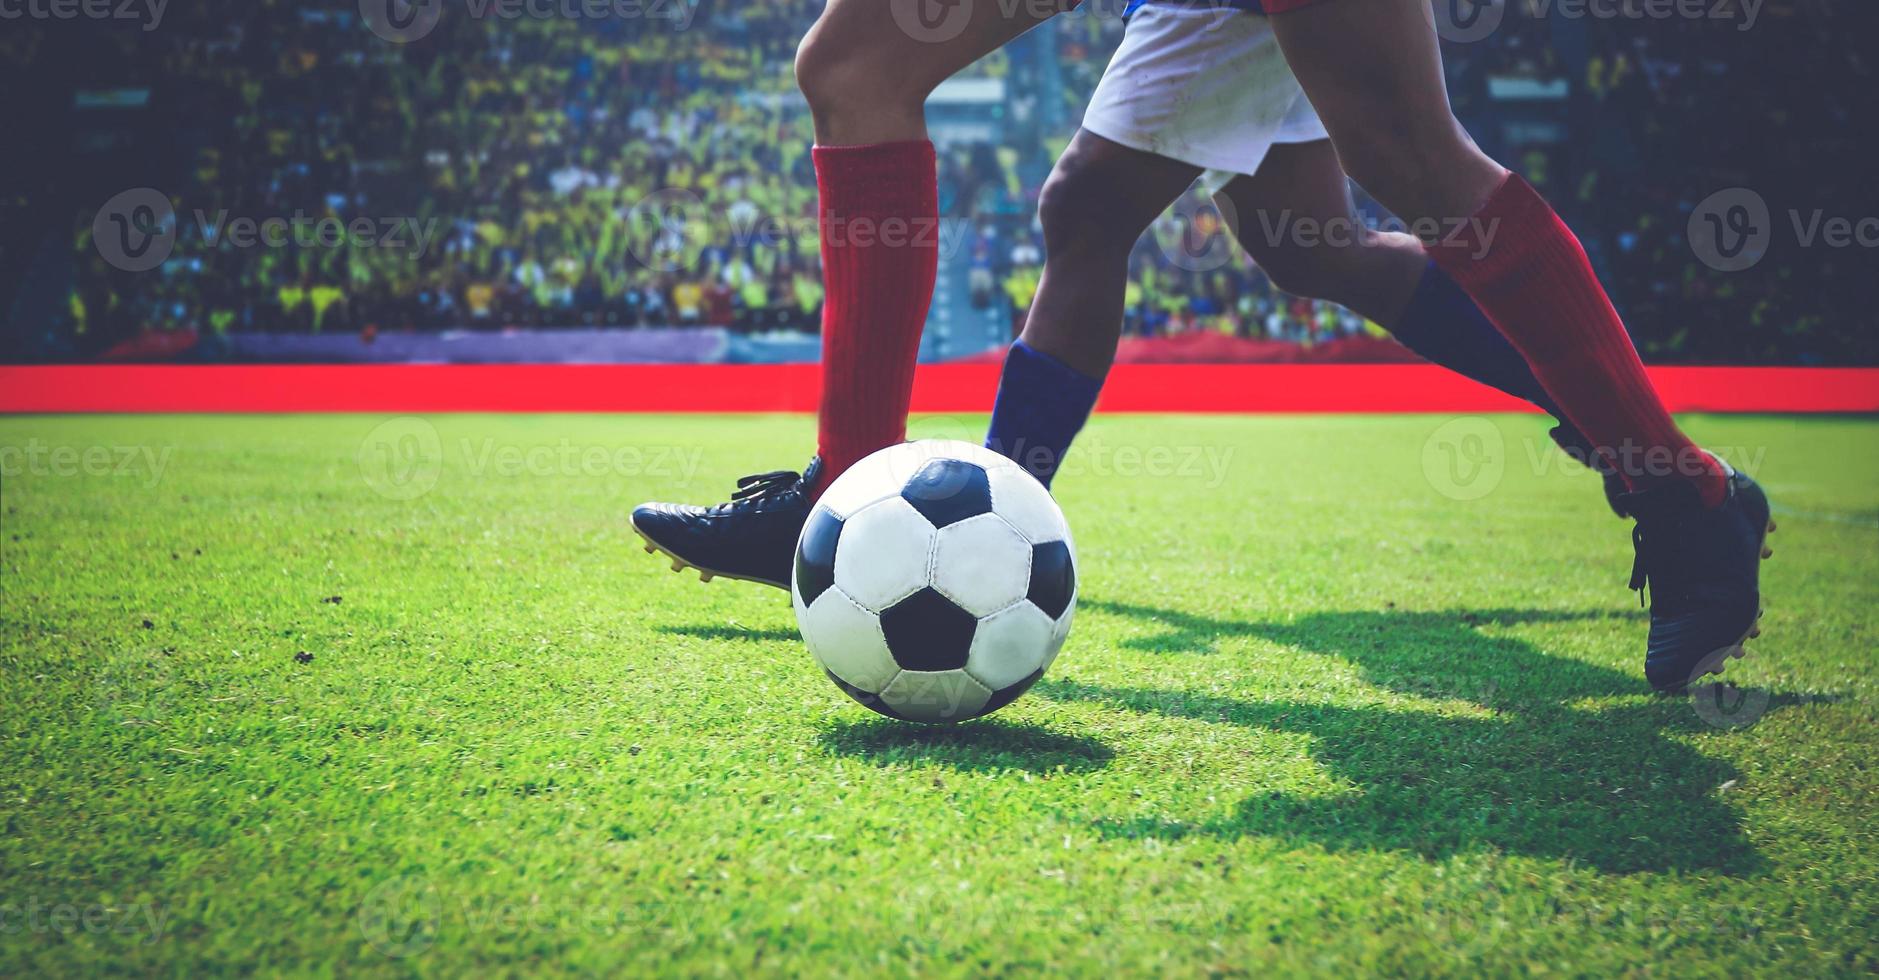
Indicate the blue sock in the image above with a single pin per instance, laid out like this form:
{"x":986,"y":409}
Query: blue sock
{"x":1042,"y":405}
{"x":1446,"y":327}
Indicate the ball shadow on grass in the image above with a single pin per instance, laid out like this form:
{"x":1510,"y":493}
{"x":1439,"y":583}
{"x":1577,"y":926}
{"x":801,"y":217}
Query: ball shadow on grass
{"x":985,"y":745}
{"x":745,"y":634}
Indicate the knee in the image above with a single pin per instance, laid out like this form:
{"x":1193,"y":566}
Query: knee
{"x":821,"y":71}
{"x":1415,"y":171}
{"x":1061,"y":208}
{"x":839,"y":81}
{"x":1076,"y":208}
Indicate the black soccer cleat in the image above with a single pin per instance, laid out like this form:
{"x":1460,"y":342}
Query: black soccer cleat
{"x":752,"y":537}
{"x":1702,"y":567}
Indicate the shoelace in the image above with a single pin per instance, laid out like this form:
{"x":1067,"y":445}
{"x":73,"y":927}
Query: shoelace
{"x":1640,"y":568}
{"x":1655,"y":567}
{"x":753,"y":490}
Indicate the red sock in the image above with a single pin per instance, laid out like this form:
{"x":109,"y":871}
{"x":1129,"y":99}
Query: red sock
{"x":1529,"y":274}
{"x":880,"y":254}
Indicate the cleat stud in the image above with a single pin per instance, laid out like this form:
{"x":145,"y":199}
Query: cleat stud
{"x":677,"y":565}
{"x":1756,"y":633}
{"x":705,"y":576}
{"x":650,"y":549}
{"x":1767,"y":553}
{"x":1771,"y":527}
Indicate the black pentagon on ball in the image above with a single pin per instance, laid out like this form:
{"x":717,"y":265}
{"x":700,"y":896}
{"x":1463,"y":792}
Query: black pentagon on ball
{"x":866,"y":700}
{"x":1053,"y":578}
{"x":815,"y":554}
{"x":947,"y":491}
{"x":925,"y":631}
{"x":1009,"y":693}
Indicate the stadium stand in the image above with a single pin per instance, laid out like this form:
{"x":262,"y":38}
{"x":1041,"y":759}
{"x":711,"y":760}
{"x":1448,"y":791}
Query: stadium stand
{"x":653,"y":171}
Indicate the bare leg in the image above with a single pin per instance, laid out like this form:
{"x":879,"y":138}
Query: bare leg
{"x":1295,"y":217}
{"x":1373,"y":70}
{"x":867,"y":66}
{"x":1099,"y":199}
{"x":1300,"y":195}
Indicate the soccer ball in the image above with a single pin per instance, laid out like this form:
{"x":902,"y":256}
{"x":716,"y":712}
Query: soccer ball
{"x":935,"y":581}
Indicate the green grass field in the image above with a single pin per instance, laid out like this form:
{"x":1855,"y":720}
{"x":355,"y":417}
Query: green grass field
{"x":356,"y":695}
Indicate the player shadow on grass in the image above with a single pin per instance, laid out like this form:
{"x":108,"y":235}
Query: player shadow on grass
{"x":719,"y":632}
{"x":1541,"y":775}
{"x":986,"y":745}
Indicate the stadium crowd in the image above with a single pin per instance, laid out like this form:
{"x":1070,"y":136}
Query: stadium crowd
{"x":655,"y":171}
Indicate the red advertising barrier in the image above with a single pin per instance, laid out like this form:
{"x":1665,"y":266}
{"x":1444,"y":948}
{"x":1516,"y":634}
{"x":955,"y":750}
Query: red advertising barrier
{"x":793,"y":388}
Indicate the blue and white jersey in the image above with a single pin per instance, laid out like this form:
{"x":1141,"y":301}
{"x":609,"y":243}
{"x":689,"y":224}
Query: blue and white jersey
{"x":1250,"y":6}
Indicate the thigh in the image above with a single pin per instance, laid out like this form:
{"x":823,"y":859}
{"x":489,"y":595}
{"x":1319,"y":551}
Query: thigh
{"x":1373,"y":71}
{"x":1098,"y":181}
{"x":1296,"y":218}
{"x":921,"y":43}
{"x":1298,"y":184}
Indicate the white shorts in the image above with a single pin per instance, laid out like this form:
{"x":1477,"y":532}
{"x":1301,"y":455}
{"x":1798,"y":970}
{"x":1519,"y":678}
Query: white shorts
{"x":1207,"y":87}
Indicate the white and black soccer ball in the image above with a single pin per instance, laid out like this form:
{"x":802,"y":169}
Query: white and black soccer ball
{"x":935,"y":581}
